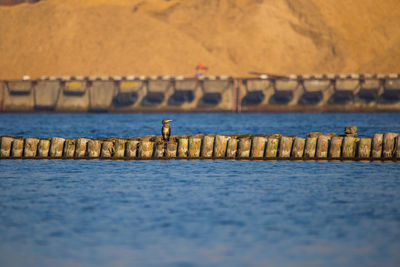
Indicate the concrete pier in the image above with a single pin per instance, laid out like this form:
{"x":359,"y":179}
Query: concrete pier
{"x":265,"y":93}
{"x":316,"y":146}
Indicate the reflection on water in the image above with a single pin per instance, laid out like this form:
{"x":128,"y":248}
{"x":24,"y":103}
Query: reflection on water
{"x":197,"y":213}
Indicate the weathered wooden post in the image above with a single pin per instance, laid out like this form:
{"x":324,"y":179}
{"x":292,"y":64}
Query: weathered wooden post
{"x":258,"y":146}
{"x":298,"y":147}
{"x":285,"y":147}
{"x":377,"y":145}
{"x":272,"y":146}
{"x":56,"y":147}
{"x":44,"y":148}
{"x":232,"y":148}
{"x":31,"y":147}
{"x":364,"y":148}
{"x":311,"y":145}
{"x":17,"y":147}
{"x":195,"y":146}
{"x":220,"y":147}
{"x":389,"y":145}
{"x":93,"y":148}
{"x":397,"y":147}
{"x":314,"y":134}
{"x":81,"y":148}
{"x":336,"y":147}
{"x":146,"y":148}
{"x":119,"y":148}
{"x":207,"y":148}
{"x":322,"y":146}
{"x":349,"y":147}
{"x":172,"y":147}
{"x":183,"y":146}
{"x":132,"y":148}
{"x":6,"y":143}
{"x":244,"y":147}
{"x":69,"y":148}
{"x":159,"y":150}
{"x":107,"y":149}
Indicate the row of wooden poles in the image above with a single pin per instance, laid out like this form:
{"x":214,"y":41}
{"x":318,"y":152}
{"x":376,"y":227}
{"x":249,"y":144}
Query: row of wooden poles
{"x":314,"y":146}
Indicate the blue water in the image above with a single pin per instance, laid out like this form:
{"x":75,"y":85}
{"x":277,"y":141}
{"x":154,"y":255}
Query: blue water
{"x":198,"y":213}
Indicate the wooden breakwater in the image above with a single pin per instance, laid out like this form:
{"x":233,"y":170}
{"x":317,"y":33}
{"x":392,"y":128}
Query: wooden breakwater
{"x":315,"y":146}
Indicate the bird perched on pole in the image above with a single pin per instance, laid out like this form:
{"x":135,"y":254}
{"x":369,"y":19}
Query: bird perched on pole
{"x":166,"y":130}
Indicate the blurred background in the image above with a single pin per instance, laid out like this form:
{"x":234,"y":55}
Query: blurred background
{"x":270,"y":60}
{"x":199,"y":55}
{"x":170,"y":37}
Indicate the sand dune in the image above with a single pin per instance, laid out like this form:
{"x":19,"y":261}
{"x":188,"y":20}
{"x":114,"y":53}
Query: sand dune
{"x":232,"y":37}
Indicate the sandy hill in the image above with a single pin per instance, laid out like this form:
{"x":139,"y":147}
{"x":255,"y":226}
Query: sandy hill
{"x":235,"y":37}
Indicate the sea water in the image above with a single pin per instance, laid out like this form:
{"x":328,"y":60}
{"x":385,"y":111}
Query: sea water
{"x":198,"y":213}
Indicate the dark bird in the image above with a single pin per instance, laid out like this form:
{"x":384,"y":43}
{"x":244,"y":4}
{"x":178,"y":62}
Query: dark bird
{"x":166,"y":130}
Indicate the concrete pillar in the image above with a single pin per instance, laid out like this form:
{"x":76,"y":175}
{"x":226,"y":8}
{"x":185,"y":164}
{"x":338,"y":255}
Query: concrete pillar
{"x":6,"y":143}
{"x":244,"y":147}
{"x":69,"y":148}
{"x":231,"y":150}
{"x":388,"y":145}
{"x":132,"y":148}
{"x":322,"y":146}
{"x":107,"y":149}
{"x":336,"y":147}
{"x":31,"y":147}
{"x":220,"y":147}
{"x":146,"y":148}
{"x":207,"y":148}
{"x":183,"y":146}
{"x":364,"y":148}
{"x":43,"y":148}
{"x":172,"y":147}
{"x":285,"y":147}
{"x":349,"y":147}
{"x":272,"y":147}
{"x":377,"y":144}
{"x":195,"y":146}
{"x":311,"y":144}
{"x":119,"y":148}
{"x":93,"y":148}
{"x":81,"y":148}
{"x":57,"y":147}
{"x":298,"y":147}
{"x":258,"y":146}
{"x":17,"y":147}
